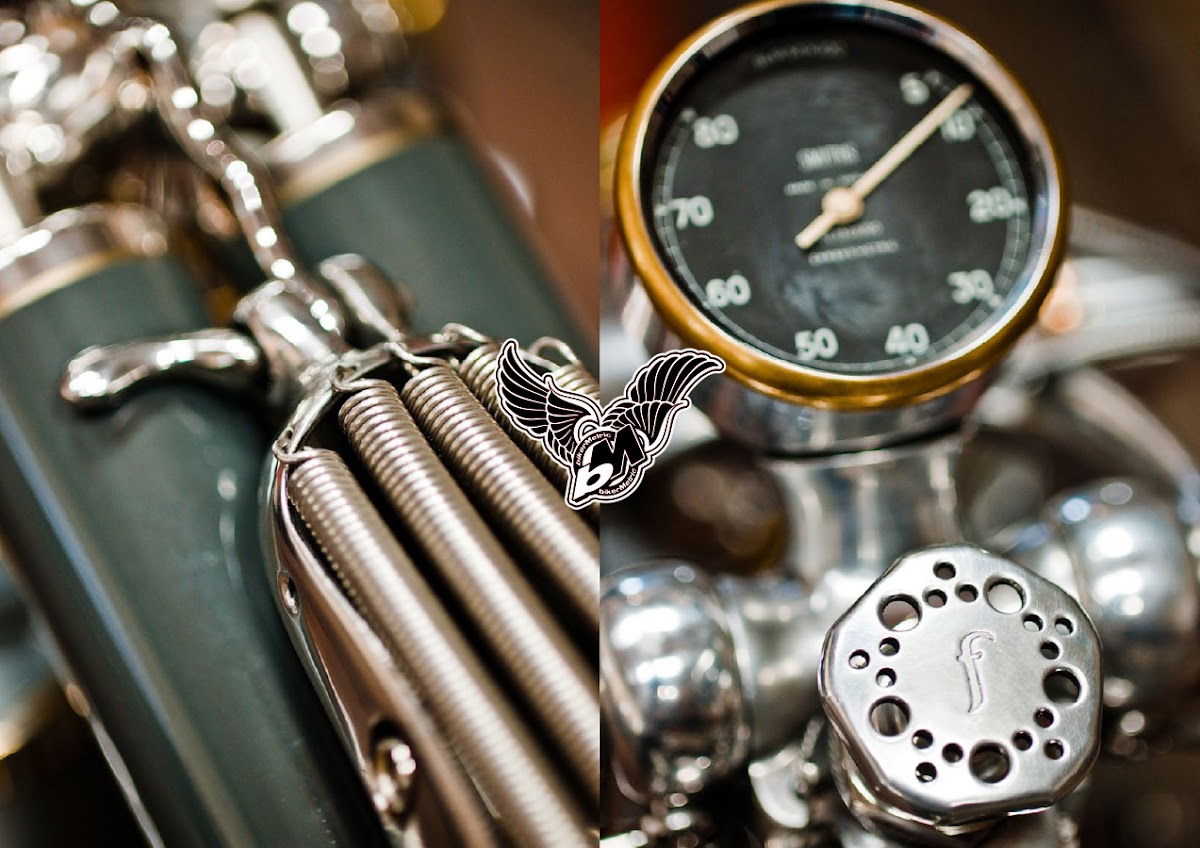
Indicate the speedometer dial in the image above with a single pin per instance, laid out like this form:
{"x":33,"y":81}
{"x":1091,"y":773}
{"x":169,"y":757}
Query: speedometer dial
{"x":853,"y":203}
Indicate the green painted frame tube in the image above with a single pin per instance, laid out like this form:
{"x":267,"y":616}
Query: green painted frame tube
{"x":138,"y":537}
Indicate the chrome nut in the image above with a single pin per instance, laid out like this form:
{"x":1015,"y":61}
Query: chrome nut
{"x":964,"y":687}
{"x":671,"y":693}
{"x":1121,"y":549}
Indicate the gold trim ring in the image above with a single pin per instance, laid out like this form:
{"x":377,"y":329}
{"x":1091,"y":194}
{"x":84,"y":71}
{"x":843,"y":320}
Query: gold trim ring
{"x":797,"y":383}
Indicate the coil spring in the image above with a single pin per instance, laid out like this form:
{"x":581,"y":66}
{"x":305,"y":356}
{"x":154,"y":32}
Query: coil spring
{"x":495,"y":595}
{"x":478,"y":371}
{"x":505,"y":484}
{"x":382,"y":582}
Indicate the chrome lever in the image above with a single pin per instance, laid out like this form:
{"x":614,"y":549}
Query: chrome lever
{"x":101,"y":377}
{"x":374,"y":306}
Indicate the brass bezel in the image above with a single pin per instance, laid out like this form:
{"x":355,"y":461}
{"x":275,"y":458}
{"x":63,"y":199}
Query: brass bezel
{"x":796,"y":383}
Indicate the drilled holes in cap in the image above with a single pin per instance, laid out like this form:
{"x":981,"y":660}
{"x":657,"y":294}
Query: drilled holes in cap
{"x":889,"y":716}
{"x":900,"y":613}
{"x":1004,"y":596}
{"x":989,"y":762}
{"x":935,"y":598}
{"x":944,"y":571}
{"x":922,"y":739}
{"x":1049,"y":650}
{"x":1022,"y":740}
{"x":966,"y":592}
{"x":1064,"y":626}
{"x":952,"y":753}
{"x":859,"y":659}
{"x":1043,"y":717}
{"x":1032,"y":623}
{"x":886,"y":678}
{"x":1054,"y":749}
{"x":889,"y":647}
{"x":926,"y":772}
{"x":1062,"y":687}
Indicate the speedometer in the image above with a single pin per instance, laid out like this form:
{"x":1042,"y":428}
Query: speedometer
{"x":853,"y":203}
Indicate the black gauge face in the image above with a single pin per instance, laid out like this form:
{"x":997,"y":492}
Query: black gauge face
{"x":929,"y":195}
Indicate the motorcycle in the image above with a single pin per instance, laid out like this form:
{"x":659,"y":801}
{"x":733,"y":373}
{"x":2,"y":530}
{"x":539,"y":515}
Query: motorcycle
{"x":315,"y":664}
{"x":923,"y":571}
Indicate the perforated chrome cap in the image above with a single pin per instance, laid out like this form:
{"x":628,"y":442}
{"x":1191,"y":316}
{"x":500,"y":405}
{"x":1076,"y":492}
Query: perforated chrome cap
{"x":964,"y":687}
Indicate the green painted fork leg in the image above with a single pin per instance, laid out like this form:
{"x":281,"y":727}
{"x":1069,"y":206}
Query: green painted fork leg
{"x":137,"y":533}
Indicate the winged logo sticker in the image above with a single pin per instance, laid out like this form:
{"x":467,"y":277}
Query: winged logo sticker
{"x":607,"y":451}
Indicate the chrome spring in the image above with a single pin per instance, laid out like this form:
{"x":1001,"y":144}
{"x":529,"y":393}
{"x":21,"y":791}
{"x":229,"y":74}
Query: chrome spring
{"x":507,"y":487}
{"x":557,"y":685}
{"x":478,"y":371}
{"x":495,"y":748}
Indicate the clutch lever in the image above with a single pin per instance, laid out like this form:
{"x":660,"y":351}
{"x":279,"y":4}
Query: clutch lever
{"x":101,"y":377}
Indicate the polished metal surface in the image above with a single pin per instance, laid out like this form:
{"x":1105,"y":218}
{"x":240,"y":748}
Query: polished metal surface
{"x":292,"y":339}
{"x":348,"y":138}
{"x":499,"y":753}
{"x":508,"y":488}
{"x":396,"y":776}
{"x":281,"y":89}
{"x":1120,"y":548}
{"x":538,"y":657}
{"x":1125,"y":294}
{"x":56,"y":251}
{"x":1085,"y":406}
{"x":98,"y":378}
{"x":1139,"y":532}
{"x":853,"y":514}
{"x":965,"y":688}
{"x":362,"y":685}
{"x":280,"y":55}
{"x":671,"y":691}
{"x":788,"y":784}
{"x":478,"y":371}
{"x":300,"y":333}
{"x":375,"y":307}
{"x":1049,"y":829}
{"x":211,"y":146}
{"x":19,"y":207}
{"x":61,"y":88}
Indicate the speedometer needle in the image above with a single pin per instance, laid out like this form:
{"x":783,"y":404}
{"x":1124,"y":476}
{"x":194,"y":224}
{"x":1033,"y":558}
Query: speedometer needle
{"x":842,"y":205}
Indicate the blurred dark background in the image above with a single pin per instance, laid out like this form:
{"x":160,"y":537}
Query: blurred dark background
{"x":527,"y":72}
